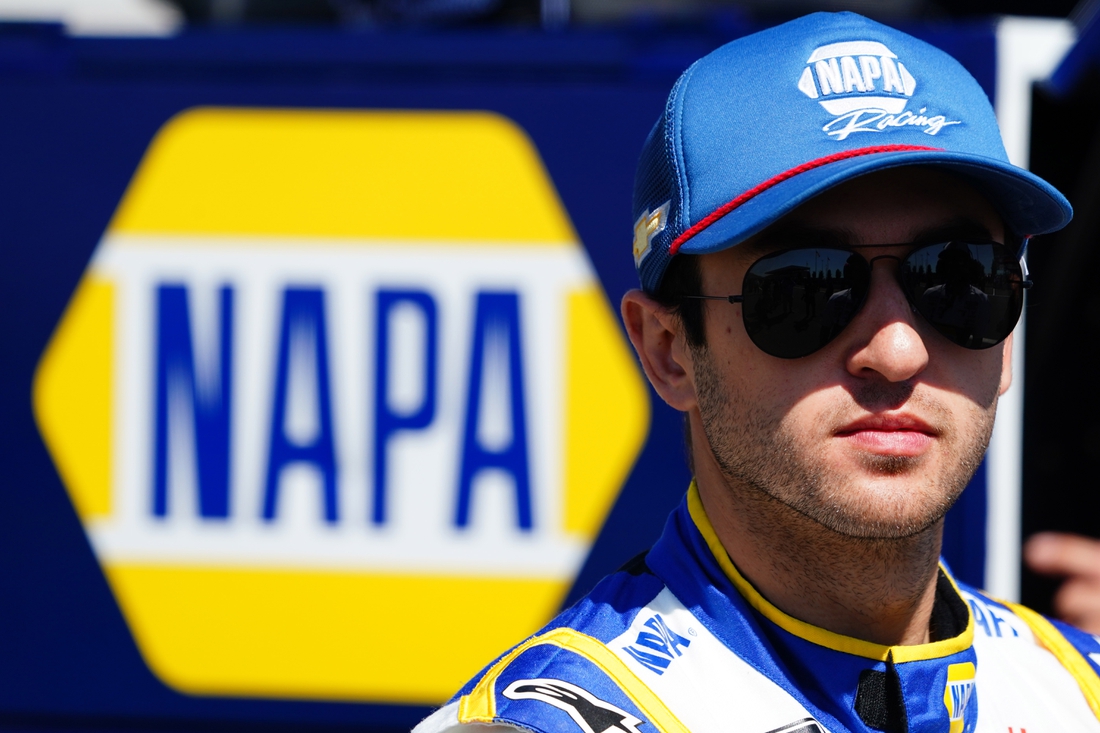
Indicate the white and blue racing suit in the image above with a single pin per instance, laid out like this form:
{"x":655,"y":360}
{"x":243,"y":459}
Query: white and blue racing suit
{"x":679,"y":641}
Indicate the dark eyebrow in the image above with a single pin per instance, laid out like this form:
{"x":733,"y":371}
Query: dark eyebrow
{"x":794,"y":235}
{"x":960,"y":229}
{"x":797,"y":234}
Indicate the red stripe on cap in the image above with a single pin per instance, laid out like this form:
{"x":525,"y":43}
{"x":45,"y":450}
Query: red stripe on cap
{"x":775,"y":180}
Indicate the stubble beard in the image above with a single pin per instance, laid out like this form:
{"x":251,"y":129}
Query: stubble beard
{"x":761,"y":454}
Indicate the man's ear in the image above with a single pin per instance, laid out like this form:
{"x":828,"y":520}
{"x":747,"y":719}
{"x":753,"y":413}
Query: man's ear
{"x":1006,"y":365}
{"x":658,"y":338}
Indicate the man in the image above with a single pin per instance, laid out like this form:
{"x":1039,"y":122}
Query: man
{"x":829,"y":239}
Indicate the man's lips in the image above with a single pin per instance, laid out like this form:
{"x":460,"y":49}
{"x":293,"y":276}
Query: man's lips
{"x":889,"y":435}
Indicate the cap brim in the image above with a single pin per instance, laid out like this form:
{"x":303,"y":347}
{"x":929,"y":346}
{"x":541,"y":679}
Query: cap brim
{"x":1027,"y":204}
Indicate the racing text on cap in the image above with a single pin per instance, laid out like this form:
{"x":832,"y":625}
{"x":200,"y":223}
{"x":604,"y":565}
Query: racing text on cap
{"x":866,"y":87}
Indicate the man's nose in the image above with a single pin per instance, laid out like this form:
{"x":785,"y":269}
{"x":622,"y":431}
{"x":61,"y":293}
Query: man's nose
{"x":887,"y":338}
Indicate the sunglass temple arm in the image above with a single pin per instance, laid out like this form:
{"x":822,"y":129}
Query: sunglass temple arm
{"x":727,"y":298}
{"x":1027,"y":281}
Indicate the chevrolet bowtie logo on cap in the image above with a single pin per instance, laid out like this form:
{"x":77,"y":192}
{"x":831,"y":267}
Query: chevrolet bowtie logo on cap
{"x":769,"y":121}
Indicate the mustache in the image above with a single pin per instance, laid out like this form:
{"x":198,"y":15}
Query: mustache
{"x":877,"y":396}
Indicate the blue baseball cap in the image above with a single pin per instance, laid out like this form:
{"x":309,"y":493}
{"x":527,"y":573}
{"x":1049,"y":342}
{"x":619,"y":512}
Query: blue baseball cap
{"x":766,"y":122}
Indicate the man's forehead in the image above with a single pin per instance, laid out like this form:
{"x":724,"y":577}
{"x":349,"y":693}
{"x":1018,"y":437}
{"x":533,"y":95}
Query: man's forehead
{"x":806,"y":233}
{"x":898,"y":206}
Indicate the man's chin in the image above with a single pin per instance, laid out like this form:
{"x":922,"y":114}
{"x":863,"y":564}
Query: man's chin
{"x":883,"y":510}
{"x":877,"y":528}
{"x":890,"y":465}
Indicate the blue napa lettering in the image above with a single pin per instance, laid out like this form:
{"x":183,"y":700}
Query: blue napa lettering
{"x":979,"y":618}
{"x":301,"y":362}
{"x":655,"y":649}
{"x":387,"y":422}
{"x":989,"y":621}
{"x":303,"y":342}
{"x":208,"y":396}
{"x":496,"y":334}
{"x":960,"y":697}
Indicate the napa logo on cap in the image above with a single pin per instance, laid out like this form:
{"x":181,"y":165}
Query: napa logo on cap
{"x":866,"y":88}
{"x":958,"y":693}
{"x":339,"y":401}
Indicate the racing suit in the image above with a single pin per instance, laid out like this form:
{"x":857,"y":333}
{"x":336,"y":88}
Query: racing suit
{"x":679,"y":641}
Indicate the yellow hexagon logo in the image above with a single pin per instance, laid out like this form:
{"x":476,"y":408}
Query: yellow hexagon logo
{"x":339,"y":401}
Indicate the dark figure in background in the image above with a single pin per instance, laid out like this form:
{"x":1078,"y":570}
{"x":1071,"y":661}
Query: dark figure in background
{"x":957,"y":302}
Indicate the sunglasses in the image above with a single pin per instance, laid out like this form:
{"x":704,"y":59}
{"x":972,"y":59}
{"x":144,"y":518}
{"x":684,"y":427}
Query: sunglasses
{"x":796,"y":301}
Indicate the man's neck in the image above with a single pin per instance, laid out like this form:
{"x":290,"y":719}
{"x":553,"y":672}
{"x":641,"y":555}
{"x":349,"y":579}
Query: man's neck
{"x":881,"y":591}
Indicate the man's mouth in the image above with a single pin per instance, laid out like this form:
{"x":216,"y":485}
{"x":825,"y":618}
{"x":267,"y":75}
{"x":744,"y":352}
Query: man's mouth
{"x":899,"y":435}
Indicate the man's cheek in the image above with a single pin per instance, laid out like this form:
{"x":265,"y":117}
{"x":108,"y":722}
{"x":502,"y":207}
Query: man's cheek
{"x":972,"y":377}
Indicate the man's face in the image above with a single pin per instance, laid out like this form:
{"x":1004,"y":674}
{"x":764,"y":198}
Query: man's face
{"x":876,"y":434}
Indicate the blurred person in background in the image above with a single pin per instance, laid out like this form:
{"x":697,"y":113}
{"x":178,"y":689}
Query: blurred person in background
{"x":1077,"y":559}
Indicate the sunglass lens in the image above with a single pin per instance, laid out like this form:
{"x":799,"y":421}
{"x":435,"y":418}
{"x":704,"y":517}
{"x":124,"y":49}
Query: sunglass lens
{"x":797,"y":301}
{"x":970,"y":293}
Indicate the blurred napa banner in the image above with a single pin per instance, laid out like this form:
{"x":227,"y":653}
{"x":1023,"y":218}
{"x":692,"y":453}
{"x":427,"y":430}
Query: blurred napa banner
{"x":339,"y":386}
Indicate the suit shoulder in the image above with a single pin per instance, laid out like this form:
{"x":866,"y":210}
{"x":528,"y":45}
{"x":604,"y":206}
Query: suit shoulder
{"x":564,"y":677}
